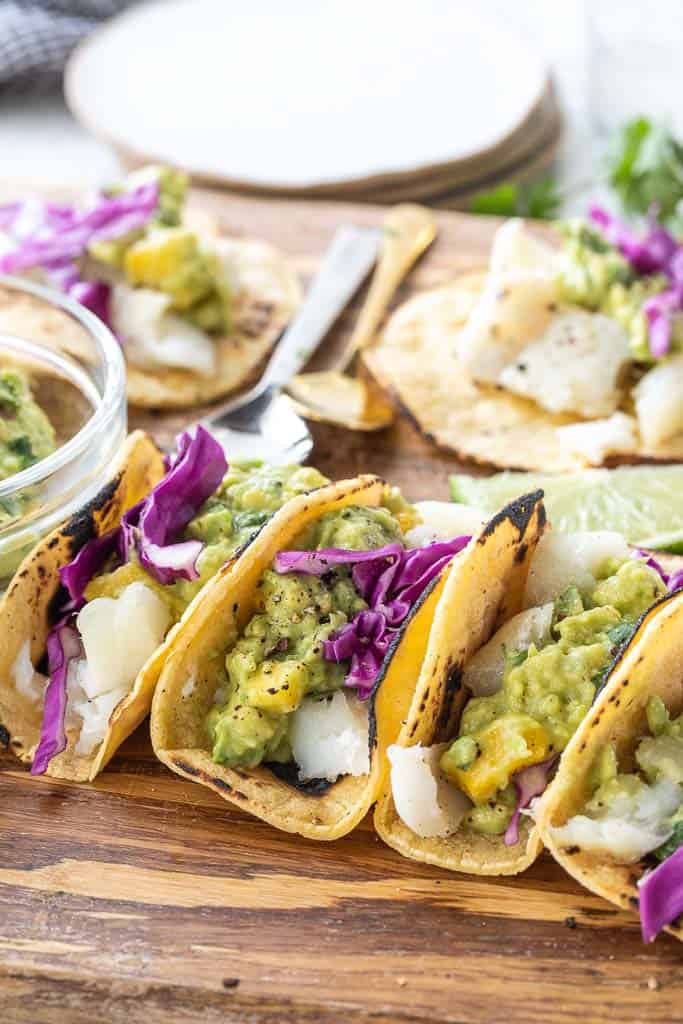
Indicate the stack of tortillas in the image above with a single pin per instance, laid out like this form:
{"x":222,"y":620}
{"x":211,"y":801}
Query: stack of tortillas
{"x":378,"y":101}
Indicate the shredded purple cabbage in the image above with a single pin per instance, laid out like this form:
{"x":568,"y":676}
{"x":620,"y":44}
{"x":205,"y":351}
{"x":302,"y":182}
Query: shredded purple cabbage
{"x":391,"y":579}
{"x":152,"y":526}
{"x":661,"y":895}
{"x":55,"y":238}
{"x":657,"y":252}
{"x":76,"y":575}
{"x":63,"y":645}
{"x":529,"y":783}
{"x":673,"y":580}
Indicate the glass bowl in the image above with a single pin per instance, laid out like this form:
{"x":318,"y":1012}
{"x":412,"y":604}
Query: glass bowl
{"x":77,"y":376}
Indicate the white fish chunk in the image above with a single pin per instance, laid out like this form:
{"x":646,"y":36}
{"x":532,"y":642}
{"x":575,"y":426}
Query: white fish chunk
{"x":29,"y":683}
{"x":156,"y":338}
{"x":565,"y":559}
{"x":513,"y":310}
{"x":516,"y":249}
{"x":119,"y":634}
{"x":594,"y":440}
{"x":659,"y":401}
{"x":483,"y":674}
{"x":425,"y":801}
{"x":329,"y":737}
{"x":633,"y":825}
{"x":575,"y":366}
{"x":443,"y":520}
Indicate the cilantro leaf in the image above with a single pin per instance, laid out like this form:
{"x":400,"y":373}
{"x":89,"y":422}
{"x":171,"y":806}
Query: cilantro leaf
{"x":22,"y":446}
{"x":645,"y":168}
{"x":499,"y":202}
{"x":672,"y":843}
{"x":621,"y":633}
{"x":539,"y":200}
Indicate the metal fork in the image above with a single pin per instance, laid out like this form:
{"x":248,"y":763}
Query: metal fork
{"x":262,"y":423}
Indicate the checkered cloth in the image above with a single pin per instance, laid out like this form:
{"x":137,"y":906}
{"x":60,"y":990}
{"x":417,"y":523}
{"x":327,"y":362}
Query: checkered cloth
{"x":37,"y":36}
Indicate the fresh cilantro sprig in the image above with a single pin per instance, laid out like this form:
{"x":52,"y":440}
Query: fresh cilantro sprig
{"x":539,"y":200}
{"x":645,"y":168}
{"x":671,"y":845}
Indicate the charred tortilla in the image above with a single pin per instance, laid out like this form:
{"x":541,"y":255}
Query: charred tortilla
{"x":317,"y":810}
{"x":415,"y":360}
{"x":26,"y":614}
{"x":266,"y":293}
{"x":652,"y":665}
{"x":485,"y":591}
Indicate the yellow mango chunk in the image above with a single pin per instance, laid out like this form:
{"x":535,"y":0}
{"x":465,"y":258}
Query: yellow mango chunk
{"x":278,"y":686}
{"x":170,"y":260}
{"x":112,"y":584}
{"x":510,"y":743}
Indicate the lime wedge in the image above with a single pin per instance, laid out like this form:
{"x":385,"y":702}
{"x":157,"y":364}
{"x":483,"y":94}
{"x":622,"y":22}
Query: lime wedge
{"x":644,"y":503}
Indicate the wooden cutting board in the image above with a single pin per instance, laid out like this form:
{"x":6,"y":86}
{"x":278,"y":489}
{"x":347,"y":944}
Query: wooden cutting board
{"x":144,"y":897}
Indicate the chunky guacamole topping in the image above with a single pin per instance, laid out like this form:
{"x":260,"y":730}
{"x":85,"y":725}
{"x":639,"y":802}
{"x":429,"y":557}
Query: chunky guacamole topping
{"x":26,"y":435}
{"x":278,"y":660}
{"x":170,"y":258}
{"x":658,"y":756}
{"x":596,"y":276}
{"x":250,"y":493}
{"x":547,"y":690}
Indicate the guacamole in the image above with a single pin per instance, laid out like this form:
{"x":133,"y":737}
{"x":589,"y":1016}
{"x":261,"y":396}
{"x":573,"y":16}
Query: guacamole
{"x":596,"y":276}
{"x":250,"y":493}
{"x":278,"y":660}
{"x":170,"y":258}
{"x":26,"y":435}
{"x":658,"y":756}
{"x":547,"y":690}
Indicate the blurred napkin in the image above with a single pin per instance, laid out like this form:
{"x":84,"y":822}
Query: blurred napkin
{"x":37,"y":36}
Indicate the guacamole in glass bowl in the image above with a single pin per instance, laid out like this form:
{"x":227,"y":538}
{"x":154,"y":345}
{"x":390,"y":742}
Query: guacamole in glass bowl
{"x":62,"y":413}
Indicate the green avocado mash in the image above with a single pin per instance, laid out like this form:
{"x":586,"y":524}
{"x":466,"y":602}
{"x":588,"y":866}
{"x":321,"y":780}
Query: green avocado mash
{"x":170,"y":258}
{"x":278,"y":660}
{"x":596,"y":276}
{"x":546,"y":690}
{"x":26,"y":434}
{"x":250,"y":493}
{"x":657,"y":756}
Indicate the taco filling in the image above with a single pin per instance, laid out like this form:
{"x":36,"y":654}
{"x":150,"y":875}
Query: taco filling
{"x":195,"y":312}
{"x":634,"y":813}
{"x":293,"y":688}
{"x":125,"y":589}
{"x":529,"y":687}
{"x":592,"y":329}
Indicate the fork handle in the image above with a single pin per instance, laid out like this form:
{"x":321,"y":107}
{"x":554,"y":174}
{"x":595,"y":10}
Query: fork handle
{"x":345,"y":265}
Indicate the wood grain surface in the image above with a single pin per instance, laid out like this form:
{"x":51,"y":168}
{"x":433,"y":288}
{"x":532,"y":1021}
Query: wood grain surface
{"x":143,"y":897}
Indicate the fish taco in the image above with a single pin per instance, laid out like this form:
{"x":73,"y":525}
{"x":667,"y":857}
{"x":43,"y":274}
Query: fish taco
{"x":458,"y":788}
{"x":559,"y":356}
{"x":613,"y":816}
{"x":86,"y":621}
{"x":196,"y":311}
{"x":290,"y":678}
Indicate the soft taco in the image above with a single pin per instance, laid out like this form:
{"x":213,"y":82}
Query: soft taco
{"x":613,"y":816}
{"x":561,"y":355}
{"x":85,"y":623}
{"x":458,"y":785}
{"x":290,"y":678}
{"x":196,"y":312}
